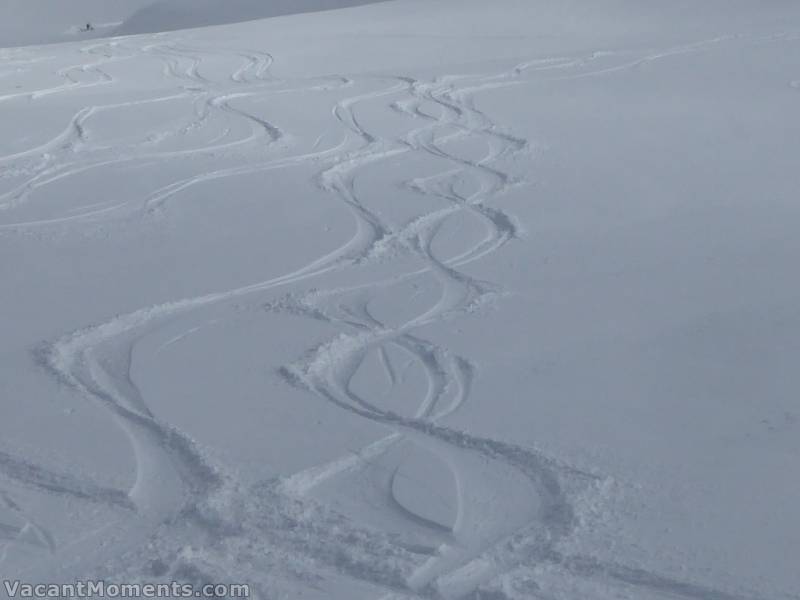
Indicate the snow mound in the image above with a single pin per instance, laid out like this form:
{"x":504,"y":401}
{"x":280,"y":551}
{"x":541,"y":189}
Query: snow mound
{"x":168,"y":15}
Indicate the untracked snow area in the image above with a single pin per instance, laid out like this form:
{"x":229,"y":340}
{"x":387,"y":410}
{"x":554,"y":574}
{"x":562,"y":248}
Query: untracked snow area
{"x":165,"y":15}
{"x":25,"y":22}
{"x":423,"y":299}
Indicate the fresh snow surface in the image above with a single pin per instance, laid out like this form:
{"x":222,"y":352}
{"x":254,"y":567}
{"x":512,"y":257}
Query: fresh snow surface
{"x":25,"y":22}
{"x":446,"y":299}
{"x":166,"y":15}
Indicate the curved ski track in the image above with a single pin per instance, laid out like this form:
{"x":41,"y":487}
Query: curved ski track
{"x":179,"y":492}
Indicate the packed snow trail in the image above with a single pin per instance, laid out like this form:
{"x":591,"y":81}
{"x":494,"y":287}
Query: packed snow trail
{"x":512,"y":506}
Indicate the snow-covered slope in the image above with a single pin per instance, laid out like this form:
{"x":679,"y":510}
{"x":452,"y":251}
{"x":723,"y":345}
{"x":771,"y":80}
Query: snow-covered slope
{"x":444,"y":300}
{"x":25,"y":22}
{"x":166,"y":15}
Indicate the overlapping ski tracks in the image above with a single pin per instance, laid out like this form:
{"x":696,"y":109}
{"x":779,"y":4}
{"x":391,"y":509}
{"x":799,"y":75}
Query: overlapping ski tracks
{"x":201,"y":522}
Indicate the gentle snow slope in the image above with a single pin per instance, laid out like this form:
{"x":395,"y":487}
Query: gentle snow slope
{"x":443,"y":300}
{"x":42,"y":21}
{"x":165,"y":15}
{"x":25,"y":22}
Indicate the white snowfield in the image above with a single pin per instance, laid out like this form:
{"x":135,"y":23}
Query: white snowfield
{"x":445,"y":299}
{"x":24,"y":22}
{"x":166,"y":15}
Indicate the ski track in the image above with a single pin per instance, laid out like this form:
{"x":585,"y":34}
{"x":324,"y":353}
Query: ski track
{"x":179,"y":490}
{"x":25,"y":531}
